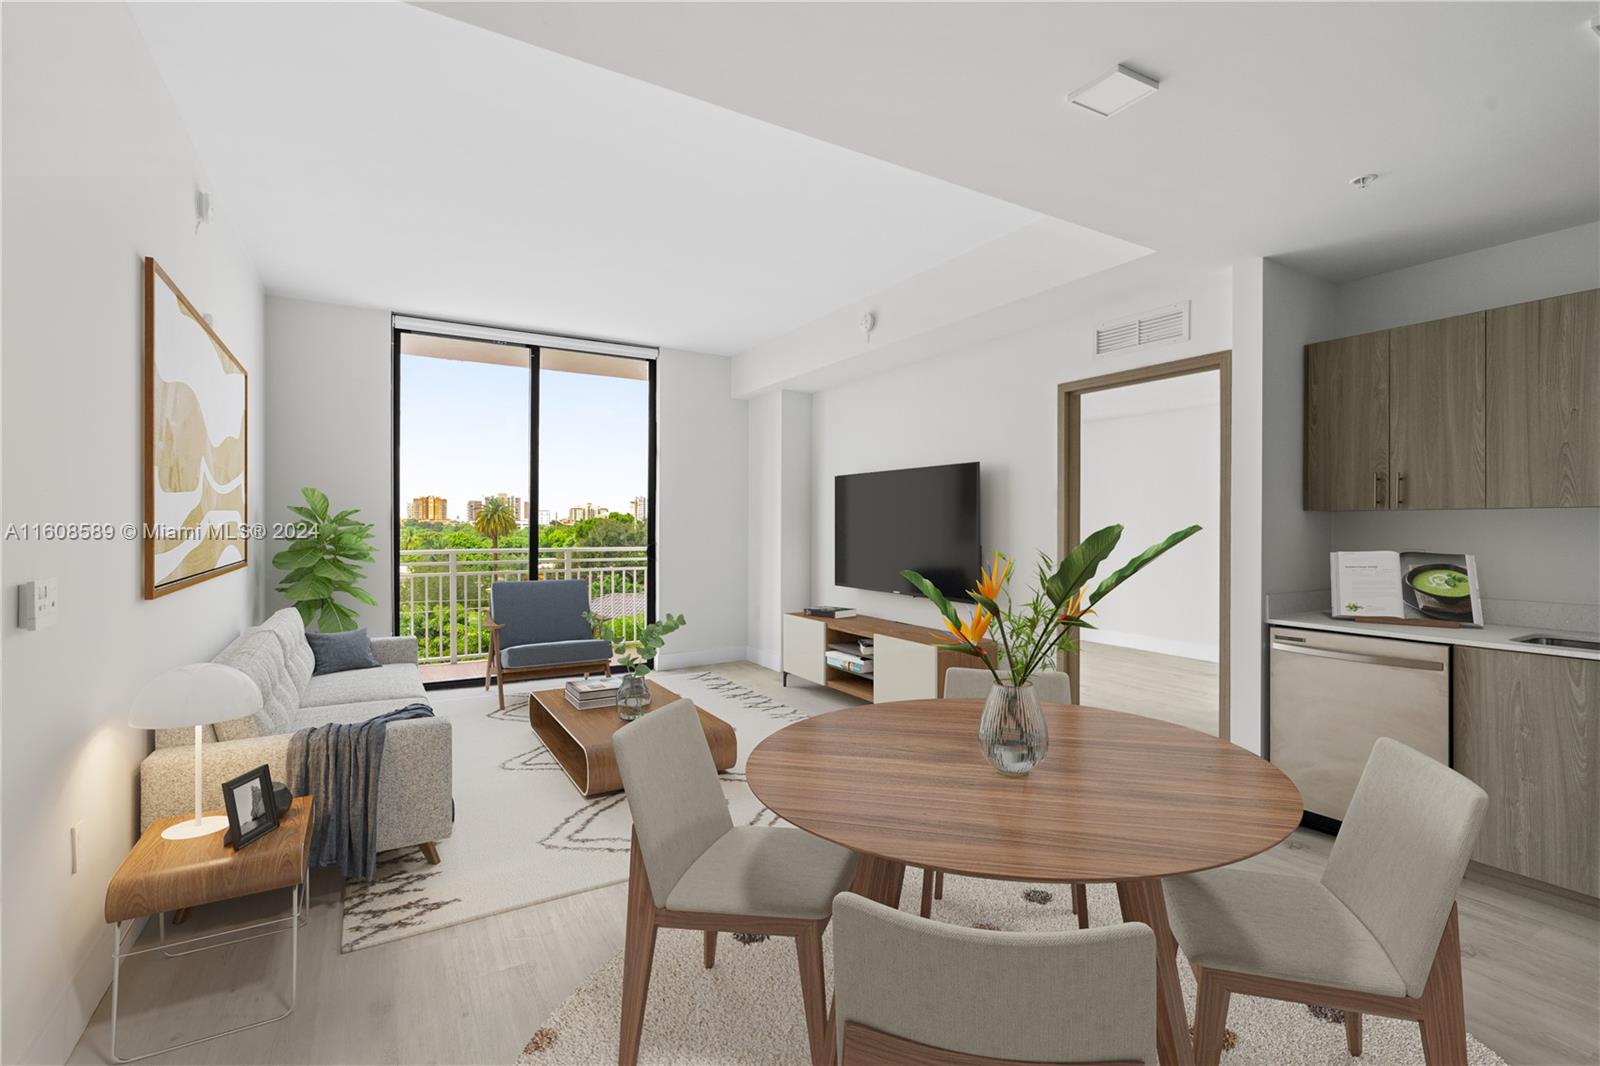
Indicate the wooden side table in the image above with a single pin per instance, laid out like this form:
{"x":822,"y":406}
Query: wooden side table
{"x":169,"y":875}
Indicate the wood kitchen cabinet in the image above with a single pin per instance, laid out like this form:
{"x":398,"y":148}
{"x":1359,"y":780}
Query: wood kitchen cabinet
{"x":1436,"y":414}
{"x":1347,"y":424}
{"x":1526,"y":728}
{"x":1544,"y":403}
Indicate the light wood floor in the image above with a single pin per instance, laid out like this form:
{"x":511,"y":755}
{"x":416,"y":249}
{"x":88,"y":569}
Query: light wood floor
{"x":1162,"y":686}
{"x":475,"y":993}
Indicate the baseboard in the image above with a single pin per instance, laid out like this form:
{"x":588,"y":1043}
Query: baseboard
{"x":682,"y":660}
{"x":1183,"y":649}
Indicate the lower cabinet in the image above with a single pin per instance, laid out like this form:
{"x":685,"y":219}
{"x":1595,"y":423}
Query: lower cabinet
{"x":1526,"y":727}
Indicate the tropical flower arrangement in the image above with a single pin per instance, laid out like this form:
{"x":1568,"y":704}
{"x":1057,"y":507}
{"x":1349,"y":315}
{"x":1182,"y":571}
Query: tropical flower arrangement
{"x":1029,"y":634}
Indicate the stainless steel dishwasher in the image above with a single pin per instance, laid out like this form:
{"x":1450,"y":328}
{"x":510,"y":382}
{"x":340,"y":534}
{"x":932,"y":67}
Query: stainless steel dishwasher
{"x":1333,"y":695}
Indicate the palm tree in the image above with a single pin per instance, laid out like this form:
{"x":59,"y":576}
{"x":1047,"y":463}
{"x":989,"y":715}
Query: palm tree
{"x":494,"y":520}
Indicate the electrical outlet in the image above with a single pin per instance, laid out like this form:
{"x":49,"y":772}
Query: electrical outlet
{"x":76,"y":835}
{"x":36,"y":604}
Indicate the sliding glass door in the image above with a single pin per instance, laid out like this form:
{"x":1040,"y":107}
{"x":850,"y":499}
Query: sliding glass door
{"x":516,"y":461}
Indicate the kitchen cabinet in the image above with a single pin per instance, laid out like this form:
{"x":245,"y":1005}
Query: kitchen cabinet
{"x":1526,"y":728}
{"x":1347,"y":424}
{"x":1543,"y":365}
{"x":1436,"y":414}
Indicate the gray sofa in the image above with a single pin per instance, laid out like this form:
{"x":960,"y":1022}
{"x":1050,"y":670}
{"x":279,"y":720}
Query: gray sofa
{"x":414,"y":797}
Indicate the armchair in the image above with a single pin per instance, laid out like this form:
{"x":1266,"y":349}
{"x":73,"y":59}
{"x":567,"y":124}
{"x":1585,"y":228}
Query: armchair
{"x":537,"y":629}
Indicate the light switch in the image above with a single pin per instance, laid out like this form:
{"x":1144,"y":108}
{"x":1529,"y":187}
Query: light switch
{"x":36,"y":603}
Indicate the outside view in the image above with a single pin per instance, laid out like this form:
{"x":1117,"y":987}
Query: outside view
{"x":465,"y":454}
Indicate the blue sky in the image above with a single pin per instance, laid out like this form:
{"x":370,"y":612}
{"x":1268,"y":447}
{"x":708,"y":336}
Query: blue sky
{"x":464,"y":435}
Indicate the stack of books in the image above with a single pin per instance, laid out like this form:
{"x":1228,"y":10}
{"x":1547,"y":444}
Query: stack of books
{"x":588,"y":695}
{"x":851,"y":658}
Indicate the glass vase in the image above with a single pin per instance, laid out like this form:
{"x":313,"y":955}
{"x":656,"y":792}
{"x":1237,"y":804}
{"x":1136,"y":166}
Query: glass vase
{"x":633,"y":698}
{"x":1012,"y":731}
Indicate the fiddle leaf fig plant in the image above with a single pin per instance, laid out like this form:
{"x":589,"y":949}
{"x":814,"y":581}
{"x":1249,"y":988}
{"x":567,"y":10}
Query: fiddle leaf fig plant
{"x":320,"y":563}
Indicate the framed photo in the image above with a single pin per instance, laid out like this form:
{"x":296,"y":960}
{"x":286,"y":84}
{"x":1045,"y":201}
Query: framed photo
{"x":252,"y":808}
{"x":196,"y":428}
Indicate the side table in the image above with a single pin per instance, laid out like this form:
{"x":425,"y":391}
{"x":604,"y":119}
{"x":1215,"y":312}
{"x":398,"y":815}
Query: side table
{"x":169,"y":875}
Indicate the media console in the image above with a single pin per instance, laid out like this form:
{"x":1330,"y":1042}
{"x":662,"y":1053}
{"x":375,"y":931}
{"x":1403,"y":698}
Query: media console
{"x":907,"y":662}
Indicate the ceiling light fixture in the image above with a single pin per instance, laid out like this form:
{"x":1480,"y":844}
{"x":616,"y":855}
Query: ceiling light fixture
{"x":1113,"y":92}
{"x":1364,"y":180}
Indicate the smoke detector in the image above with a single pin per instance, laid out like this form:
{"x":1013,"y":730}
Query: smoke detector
{"x":1120,"y":88}
{"x":1364,"y":180}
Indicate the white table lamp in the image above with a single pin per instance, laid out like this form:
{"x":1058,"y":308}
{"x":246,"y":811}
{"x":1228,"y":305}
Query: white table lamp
{"x":195,"y":695}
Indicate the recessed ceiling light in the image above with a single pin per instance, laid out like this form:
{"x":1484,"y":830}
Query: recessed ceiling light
{"x":1112,"y":92}
{"x":1364,"y":180}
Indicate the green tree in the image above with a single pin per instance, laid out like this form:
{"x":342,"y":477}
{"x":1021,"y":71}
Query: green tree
{"x":495,"y":519}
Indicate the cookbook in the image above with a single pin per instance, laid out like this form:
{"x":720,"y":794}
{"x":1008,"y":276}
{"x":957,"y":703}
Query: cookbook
{"x":1414,"y":586}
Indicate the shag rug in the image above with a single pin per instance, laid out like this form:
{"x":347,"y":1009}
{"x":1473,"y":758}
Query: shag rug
{"x":747,"y":1011}
{"x":523,"y":834}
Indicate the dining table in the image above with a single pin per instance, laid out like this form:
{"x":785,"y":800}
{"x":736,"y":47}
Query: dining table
{"x":1119,"y":798}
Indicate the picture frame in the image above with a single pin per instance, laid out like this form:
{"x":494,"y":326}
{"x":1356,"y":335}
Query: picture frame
{"x":252,"y":806}
{"x":196,"y":444}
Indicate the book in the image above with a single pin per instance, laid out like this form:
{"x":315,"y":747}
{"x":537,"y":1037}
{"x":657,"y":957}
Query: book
{"x":599,"y":692}
{"x":1420,"y":588}
{"x":860,"y":649}
{"x":831,"y":612}
{"x":851,"y":664}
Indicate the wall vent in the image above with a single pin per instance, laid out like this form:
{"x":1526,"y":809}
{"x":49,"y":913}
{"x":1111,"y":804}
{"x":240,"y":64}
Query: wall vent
{"x":1163,"y":324}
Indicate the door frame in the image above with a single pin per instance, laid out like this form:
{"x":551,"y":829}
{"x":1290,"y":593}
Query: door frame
{"x":1069,"y":487}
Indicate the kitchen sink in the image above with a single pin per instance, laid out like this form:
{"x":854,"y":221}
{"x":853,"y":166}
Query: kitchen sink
{"x":1552,"y":641}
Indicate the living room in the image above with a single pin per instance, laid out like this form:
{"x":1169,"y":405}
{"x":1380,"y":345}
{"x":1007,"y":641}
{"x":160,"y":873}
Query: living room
{"x":866,"y":319}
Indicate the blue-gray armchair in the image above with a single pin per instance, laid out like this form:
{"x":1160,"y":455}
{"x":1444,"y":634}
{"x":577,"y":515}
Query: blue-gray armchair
{"x":537,"y":629}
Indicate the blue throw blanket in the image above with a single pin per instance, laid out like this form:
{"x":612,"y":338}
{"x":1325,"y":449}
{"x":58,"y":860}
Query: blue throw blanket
{"x":337,"y":766}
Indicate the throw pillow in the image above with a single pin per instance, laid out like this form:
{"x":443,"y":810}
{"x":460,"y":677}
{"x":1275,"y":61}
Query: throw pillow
{"x":337,"y":652}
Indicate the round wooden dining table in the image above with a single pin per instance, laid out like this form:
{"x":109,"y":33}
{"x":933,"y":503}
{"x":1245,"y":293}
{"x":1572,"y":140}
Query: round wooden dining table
{"x":1120,"y":798}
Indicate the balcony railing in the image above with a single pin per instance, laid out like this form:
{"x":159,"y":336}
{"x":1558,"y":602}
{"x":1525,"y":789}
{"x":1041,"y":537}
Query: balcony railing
{"x":444,"y":593}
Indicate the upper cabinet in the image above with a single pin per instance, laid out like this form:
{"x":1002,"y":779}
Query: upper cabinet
{"x":1347,"y":424}
{"x":1544,"y":403}
{"x":1436,"y":408}
{"x":1491,"y":409}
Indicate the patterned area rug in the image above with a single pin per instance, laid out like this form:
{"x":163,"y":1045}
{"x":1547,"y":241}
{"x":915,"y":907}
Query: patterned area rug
{"x":523,"y":834}
{"x":746,"y":1011}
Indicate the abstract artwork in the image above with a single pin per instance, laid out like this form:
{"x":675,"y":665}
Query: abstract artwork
{"x":195,"y":429}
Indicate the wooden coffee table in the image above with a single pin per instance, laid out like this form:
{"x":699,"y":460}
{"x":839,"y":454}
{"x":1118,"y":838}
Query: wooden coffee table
{"x":581,"y":740}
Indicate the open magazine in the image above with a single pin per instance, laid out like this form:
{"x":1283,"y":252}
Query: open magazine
{"x":1419,"y":587}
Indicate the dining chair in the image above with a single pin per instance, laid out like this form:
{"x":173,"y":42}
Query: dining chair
{"x":690,"y":867}
{"x":968,"y":683}
{"x":1377,"y":934}
{"x":908,"y":990}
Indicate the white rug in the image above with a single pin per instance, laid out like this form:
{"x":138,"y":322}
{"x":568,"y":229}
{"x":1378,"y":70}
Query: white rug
{"x":523,"y":834}
{"x":747,"y":1012}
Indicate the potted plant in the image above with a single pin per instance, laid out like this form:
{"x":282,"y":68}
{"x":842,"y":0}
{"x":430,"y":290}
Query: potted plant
{"x":635,"y":655}
{"x":321,"y":562}
{"x":1029,"y":634}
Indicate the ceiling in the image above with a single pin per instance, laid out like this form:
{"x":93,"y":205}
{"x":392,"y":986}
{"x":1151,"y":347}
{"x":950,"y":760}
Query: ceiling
{"x":1483,"y":119}
{"x":382,"y":155}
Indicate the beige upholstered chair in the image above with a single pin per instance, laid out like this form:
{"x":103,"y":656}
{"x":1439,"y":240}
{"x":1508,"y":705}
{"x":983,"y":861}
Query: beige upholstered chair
{"x":907,"y":990}
{"x":692,"y":868}
{"x":966,"y":683}
{"x":1377,"y":934}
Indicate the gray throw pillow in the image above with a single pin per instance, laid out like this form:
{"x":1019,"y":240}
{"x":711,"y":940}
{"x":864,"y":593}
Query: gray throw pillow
{"x":337,"y":652}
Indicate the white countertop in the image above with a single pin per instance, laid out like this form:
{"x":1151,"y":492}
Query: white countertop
{"x":1497,"y":638}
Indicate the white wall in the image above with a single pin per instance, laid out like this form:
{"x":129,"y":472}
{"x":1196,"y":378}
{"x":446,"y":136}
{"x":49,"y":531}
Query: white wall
{"x":1544,"y":556}
{"x":702,"y":507}
{"x":331,"y":401}
{"x":1152,"y":464}
{"x":92,"y":183}
{"x":995,"y":403}
{"x":779,"y":527}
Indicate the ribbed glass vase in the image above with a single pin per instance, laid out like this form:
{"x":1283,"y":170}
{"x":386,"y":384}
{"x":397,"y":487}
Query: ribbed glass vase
{"x":1012,"y":731}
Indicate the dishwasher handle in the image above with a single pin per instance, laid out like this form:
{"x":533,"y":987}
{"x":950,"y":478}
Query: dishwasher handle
{"x":1357,"y":657}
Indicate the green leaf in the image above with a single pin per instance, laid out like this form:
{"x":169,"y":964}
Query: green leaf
{"x":334,"y":618}
{"x":1080,"y":564}
{"x":1140,"y":561}
{"x":310,"y":587}
{"x":986,"y":603}
{"x":964,"y":649}
{"x":361,"y":594}
{"x":307,"y":610}
{"x":937,"y":598}
{"x":318,"y":500}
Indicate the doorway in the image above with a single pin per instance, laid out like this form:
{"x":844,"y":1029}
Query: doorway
{"x":1149,"y":448}
{"x":517,"y":461}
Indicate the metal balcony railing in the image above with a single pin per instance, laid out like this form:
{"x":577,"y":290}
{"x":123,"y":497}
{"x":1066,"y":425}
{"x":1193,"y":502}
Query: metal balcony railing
{"x":444,"y":592}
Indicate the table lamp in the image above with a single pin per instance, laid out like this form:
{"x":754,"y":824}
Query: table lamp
{"x":195,"y":695}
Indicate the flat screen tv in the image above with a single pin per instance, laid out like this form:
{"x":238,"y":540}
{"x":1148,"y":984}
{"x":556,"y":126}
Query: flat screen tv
{"x":924,"y":519}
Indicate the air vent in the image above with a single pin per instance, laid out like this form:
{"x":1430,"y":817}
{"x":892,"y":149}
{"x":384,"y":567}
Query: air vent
{"x":1170,"y":323}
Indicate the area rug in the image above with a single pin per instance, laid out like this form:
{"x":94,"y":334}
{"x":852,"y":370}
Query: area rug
{"x":747,"y":1012}
{"x":523,"y":834}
